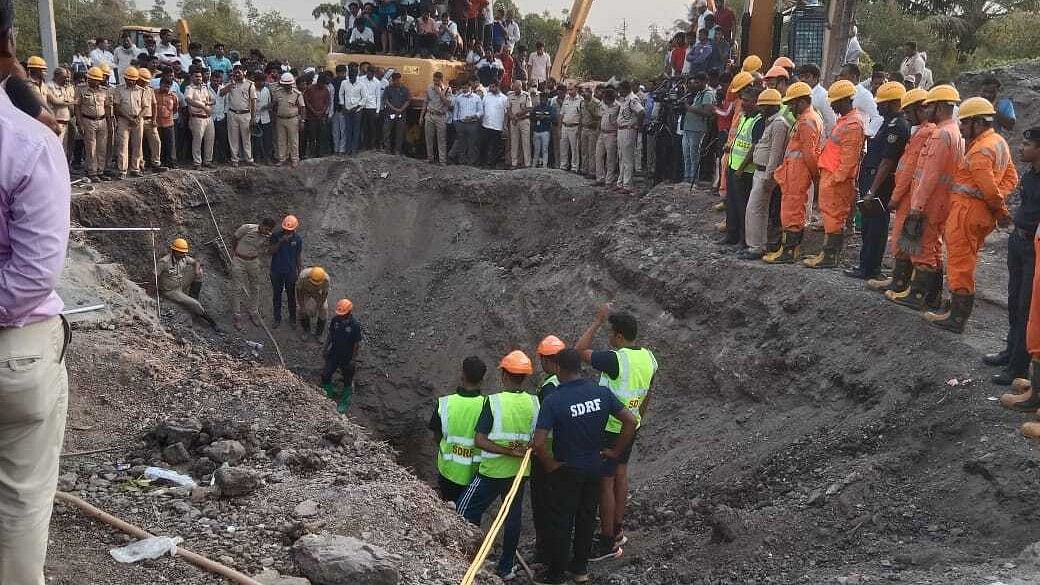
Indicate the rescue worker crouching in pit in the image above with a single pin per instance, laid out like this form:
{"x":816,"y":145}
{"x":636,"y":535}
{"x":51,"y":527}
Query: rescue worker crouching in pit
{"x":503,"y":435}
{"x":984,"y":179}
{"x":575,"y":414}
{"x":312,"y":300}
{"x":454,"y":424}
{"x":547,"y":351}
{"x":628,"y":371}
{"x":341,"y":347}
{"x":180,"y":280}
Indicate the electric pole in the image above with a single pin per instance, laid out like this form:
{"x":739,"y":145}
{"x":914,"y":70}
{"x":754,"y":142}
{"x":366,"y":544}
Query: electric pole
{"x":48,"y":36}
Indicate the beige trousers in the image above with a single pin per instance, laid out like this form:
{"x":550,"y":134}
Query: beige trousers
{"x":238,"y":130}
{"x":570,"y":149}
{"x":436,"y":138}
{"x":34,"y":397}
{"x":626,"y":140}
{"x":308,"y":307}
{"x":606,"y":158}
{"x":520,"y":143}
{"x":287,"y":139}
{"x":756,"y":218}
{"x":589,"y":137}
{"x":183,"y":299}
{"x":65,"y":136}
{"x":129,"y":134}
{"x":95,"y":144}
{"x":151,"y":138}
{"x":202,"y":136}
{"x":246,"y":276}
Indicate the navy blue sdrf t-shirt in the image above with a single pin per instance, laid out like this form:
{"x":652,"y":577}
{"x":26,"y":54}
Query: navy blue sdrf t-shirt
{"x":576,"y":413}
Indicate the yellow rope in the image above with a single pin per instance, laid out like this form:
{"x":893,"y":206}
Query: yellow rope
{"x":507,"y":502}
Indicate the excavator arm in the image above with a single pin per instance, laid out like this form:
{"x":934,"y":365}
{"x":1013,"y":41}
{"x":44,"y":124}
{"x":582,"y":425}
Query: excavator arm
{"x":569,"y":42}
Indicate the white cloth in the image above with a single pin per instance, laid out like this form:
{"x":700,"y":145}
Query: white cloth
{"x":538,"y":67}
{"x":853,"y":52}
{"x":495,"y":106}
{"x":185,"y":59}
{"x":362,"y":35}
{"x":823,"y":108}
{"x":372,"y":92}
{"x":124,"y":58}
{"x":219,"y":104}
{"x":263,"y":105}
{"x":913,"y":66}
{"x":864,"y":102}
{"x":700,"y":20}
{"x":512,"y":33}
{"x":97,"y":57}
{"x":168,"y":54}
{"x":351,"y":95}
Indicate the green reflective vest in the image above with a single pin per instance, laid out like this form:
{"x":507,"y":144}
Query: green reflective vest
{"x":741,"y":147}
{"x":458,"y":457}
{"x":553,"y":381}
{"x":788,"y":115}
{"x":514,"y":415}
{"x":636,"y":369}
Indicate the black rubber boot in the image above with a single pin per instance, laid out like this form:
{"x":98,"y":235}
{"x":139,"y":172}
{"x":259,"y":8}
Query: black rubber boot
{"x":212,"y":323}
{"x":305,"y":326}
{"x":934,"y":297}
{"x":898,"y":281}
{"x":194,"y":289}
{"x":830,"y":255}
{"x":790,"y":249}
{"x":922,"y":283}
{"x":319,"y":328}
{"x":956,"y":318}
{"x":1001,"y":358}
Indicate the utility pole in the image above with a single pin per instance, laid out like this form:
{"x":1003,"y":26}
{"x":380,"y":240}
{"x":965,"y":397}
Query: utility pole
{"x":48,"y":36}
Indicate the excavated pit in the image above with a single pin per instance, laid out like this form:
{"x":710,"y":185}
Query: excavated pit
{"x":801,"y":428}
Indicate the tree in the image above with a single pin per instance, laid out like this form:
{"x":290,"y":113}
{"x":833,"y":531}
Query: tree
{"x":331,"y":13}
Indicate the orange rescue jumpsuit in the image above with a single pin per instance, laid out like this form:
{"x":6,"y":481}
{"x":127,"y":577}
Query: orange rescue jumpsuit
{"x":905,"y":182}
{"x":796,"y":173}
{"x":839,"y":166}
{"x":985,"y":177}
{"x":931,"y":194}
{"x":1033,"y":325}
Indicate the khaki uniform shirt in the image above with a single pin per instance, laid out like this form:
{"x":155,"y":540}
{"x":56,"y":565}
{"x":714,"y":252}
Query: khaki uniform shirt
{"x":174,"y":276}
{"x":570,"y":111}
{"x":202,"y":95}
{"x":437,"y":100}
{"x":148,"y":105}
{"x":590,"y":113}
{"x":631,"y":109}
{"x":41,"y":90}
{"x":769,"y":151}
{"x":608,"y":121}
{"x":61,"y":100}
{"x":251,"y":243}
{"x":93,"y":102}
{"x":288,"y":103}
{"x":519,"y":103}
{"x":241,"y":97}
{"x":305,"y":289}
{"x":128,"y":102}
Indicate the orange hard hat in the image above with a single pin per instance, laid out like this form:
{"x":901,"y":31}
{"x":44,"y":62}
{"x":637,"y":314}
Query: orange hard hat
{"x":344,"y":307}
{"x":551,"y":345}
{"x":516,"y":362}
{"x":290,"y":223}
{"x":784,"y":62}
{"x":777,"y":71}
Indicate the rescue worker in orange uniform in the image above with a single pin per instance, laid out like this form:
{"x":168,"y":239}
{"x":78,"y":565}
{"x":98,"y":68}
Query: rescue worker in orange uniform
{"x":922,"y":127}
{"x":930,"y":202}
{"x":796,"y":173}
{"x":985,"y":177}
{"x":839,"y":166}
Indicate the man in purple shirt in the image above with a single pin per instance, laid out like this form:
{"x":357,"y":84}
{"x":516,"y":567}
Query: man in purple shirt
{"x":34,"y":228}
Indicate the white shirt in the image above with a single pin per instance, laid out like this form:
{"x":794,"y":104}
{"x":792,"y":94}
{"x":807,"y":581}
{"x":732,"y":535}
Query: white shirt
{"x":823,"y":108}
{"x":447,"y":32}
{"x":538,"y":67}
{"x":864,"y":102}
{"x":219,"y":104}
{"x":97,"y":57}
{"x":185,"y":59}
{"x":351,"y":95}
{"x":362,"y":35}
{"x":853,"y":52}
{"x":700,"y":20}
{"x":512,"y":33}
{"x":263,"y":105}
{"x":372,"y":92}
{"x":913,"y":66}
{"x":123,"y":58}
{"x":495,"y":107}
{"x":168,"y":54}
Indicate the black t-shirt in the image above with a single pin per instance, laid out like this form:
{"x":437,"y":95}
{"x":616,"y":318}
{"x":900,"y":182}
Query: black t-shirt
{"x":1027,"y":216}
{"x":606,"y":362}
{"x":435,"y":419}
{"x":344,"y":333}
{"x":576,"y":413}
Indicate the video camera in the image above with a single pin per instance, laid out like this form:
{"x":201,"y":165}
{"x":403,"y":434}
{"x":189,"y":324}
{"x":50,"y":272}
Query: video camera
{"x":671,"y":91}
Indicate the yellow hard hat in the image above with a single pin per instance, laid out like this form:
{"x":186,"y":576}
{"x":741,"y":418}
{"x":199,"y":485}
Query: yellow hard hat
{"x":144,"y":74}
{"x":769,"y":97}
{"x":35,"y":62}
{"x":889,"y":91}
{"x":912,"y":97}
{"x":840,"y":90}
{"x":943,"y":93}
{"x":317,"y":275}
{"x":96,"y":74}
{"x":740,"y":81}
{"x":976,"y":106}
{"x":131,"y":73}
{"x":180,"y":245}
{"x":797,"y":90}
{"x":751,"y":64}
{"x":106,"y":68}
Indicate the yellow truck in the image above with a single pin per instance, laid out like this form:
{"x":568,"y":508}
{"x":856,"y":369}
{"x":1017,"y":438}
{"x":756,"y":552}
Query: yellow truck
{"x":416,"y":72}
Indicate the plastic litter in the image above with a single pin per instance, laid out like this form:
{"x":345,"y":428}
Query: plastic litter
{"x":149,"y":548}
{"x":170,"y":476}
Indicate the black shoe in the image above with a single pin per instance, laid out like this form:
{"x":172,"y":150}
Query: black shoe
{"x":1005,"y":378}
{"x":1001,"y":358}
{"x":859,"y":273}
{"x":725,"y":241}
{"x":604,"y":548}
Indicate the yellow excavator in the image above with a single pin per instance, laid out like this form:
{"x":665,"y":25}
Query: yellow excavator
{"x":138,"y":33}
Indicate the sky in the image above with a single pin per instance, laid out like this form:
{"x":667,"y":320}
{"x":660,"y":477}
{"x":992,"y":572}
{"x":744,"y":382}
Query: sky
{"x":604,"y":19}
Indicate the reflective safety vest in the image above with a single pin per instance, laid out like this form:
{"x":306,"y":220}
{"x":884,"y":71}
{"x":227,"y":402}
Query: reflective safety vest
{"x":458,"y":457}
{"x":788,"y":115}
{"x":514,"y":415}
{"x":741,"y":148}
{"x":553,"y":381}
{"x":636,"y":369}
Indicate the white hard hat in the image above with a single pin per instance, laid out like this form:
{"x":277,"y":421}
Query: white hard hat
{"x":308,"y":70}
{"x":287,"y":79}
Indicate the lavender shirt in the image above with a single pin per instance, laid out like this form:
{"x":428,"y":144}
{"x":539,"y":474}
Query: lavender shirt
{"x":34,"y":217}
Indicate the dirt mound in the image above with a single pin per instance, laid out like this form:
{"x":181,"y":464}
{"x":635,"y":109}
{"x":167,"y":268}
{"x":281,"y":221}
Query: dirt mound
{"x":802,"y":429}
{"x":1020,"y":82}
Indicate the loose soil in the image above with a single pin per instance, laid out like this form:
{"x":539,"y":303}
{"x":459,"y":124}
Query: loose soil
{"x":802,"y":429}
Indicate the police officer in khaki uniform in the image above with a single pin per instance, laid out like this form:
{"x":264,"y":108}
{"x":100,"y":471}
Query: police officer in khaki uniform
{"x":438,"y":104}
{"x":61,"y":98}
{"x":180,"y":279}
{"x":607,"y":143}
{"x":241,"y":96}
{"x":249,"y":243}
{"x":312,"y":300}
{"x":629,"y":116}
{"x":570,"y":133}
{"x":151,"y":130}
{"x":92,"y":111}
{"x":37,"y":69}
{"x":286,"y":102}
{"x":519,"y":113}
{"x":200,"y":108}
{"x":128,"y":107}
{"x":589,"y":132}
